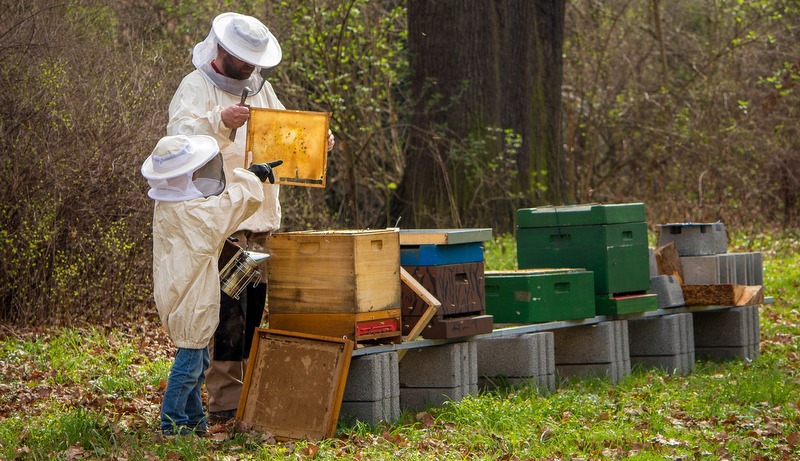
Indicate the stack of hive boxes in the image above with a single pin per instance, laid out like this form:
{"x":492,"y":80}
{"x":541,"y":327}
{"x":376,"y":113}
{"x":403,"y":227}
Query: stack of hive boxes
{"x":609,"y":240}
{"x":449,"y":264}
{"x":343,"y":283}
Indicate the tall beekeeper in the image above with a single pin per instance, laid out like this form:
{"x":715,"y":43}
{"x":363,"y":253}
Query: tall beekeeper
{"x":214,"y":100}
{"x":194,"y":212}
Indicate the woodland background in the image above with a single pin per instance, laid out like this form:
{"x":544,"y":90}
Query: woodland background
{"x":689,"y":106}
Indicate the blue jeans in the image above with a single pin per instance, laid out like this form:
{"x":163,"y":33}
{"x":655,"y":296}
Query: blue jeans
{"x":182,"y":408}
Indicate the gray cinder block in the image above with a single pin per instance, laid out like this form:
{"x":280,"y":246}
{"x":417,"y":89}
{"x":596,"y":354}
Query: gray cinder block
{"x":372,"y":377}
{"x":664,"y":335}
{"x":600,"y":343}
{"x":669,"y":291}
{"x":526,"y":359}
{"x":730,"y":268}
{"x":614,"y":371}
{"x":447,"y":366}
{"x":695,"y":239}
{"x":665,"y":342}
{"x":518,"y":356}
{"x":593,"y":350}
{"x":372,"y":391}
{"x":384,"y":410}
{"x":653,"y":263}
{"x":734,"y":327}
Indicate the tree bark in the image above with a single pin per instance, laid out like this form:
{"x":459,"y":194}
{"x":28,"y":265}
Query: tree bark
{"x":479,"y":64}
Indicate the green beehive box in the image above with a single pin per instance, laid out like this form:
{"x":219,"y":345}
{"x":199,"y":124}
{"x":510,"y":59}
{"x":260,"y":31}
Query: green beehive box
{"x":616,"y":305}
{"x":609,"y":240}
{"x":539,"y":295}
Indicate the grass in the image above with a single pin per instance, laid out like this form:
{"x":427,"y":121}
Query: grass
{"x":92,"y":393}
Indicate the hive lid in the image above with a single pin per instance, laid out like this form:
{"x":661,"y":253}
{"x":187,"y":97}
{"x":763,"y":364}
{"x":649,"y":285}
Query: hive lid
{"x":580,"y":215}
{"x":444,"y":236}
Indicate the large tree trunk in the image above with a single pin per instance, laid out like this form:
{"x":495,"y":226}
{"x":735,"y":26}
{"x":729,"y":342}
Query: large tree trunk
{"x":478,"y":65}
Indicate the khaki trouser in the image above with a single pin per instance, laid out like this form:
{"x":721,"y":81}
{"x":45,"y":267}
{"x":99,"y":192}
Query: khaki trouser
{"x":224,"y":378}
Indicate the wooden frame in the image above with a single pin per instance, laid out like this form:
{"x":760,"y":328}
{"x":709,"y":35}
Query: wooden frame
{"x":294,"y":384}
{"x":299,"y":138}
{"x":433,"y":306}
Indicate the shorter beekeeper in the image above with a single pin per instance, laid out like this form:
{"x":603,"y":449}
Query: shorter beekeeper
{"x":194,"y":213}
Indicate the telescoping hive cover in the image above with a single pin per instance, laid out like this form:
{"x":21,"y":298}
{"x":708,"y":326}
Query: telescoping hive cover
{"x":299,"y":138}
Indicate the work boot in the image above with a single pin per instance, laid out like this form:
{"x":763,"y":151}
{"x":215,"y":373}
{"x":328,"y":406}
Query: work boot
{"x":221,"y":417}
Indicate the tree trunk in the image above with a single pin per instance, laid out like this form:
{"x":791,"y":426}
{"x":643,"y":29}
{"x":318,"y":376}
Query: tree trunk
{"x":478,"y":65}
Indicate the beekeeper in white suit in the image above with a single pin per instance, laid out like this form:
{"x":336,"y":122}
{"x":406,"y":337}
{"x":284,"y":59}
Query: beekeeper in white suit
{"x":208,"y":102}
{"x":188,"y":183}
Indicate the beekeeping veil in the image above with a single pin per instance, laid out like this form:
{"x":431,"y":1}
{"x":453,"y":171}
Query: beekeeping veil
{"x":184,"y":168}
{"x":246,"y":38}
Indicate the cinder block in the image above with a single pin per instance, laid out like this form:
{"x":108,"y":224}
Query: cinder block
{"x":593,"y":350}
{"x":516,"y":356}
{"x":730,"y":268}
{"x":653,"y":265}
{"x":705,"y":270}
{"x":387,"y":410}
{"x":600,"y":343}
{"x":665,"y":335}
{"x":614,"y":371}
{"x":524,"y":359}
{"x":669,"y":291}
{"x":372,"y":377}
{"x":665,"y":342}
{"x":447,"y":366}
{"x":695,"y":239}
{"x":372,"y":391}
{"x":734,"y":327}
{"x":758,"y":268}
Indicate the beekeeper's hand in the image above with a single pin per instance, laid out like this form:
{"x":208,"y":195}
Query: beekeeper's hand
{"x":331,"y":141}
{"x":235,"y":116}
{"x":264,"y":170}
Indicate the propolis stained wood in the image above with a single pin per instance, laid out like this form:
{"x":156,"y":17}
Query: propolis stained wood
{"x":339,"y":271}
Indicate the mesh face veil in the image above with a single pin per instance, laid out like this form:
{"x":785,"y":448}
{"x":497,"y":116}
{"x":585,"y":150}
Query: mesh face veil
{"x":209,"y":179}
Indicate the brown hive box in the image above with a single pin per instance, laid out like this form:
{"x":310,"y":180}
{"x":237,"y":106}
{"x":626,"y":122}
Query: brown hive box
{"x":334,"y":272}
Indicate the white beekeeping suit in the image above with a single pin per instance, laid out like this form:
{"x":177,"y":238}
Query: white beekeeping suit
{"x":190,"y":225}
{"x":197,"y":105}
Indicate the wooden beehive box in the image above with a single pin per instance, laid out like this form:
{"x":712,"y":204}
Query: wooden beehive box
{"x":335,"y":272}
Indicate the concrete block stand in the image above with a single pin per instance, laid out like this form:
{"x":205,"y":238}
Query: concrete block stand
{"x":665,"y":342}
{"x":527,"y":359}
{"x":372,"y":393}
{"x":733,"y":333}
{"x":431,"y":376}
{"x":729,"y":268}
{"x":695,"y":239}
{"x":593,"y":351}
{"x":669,"y":291}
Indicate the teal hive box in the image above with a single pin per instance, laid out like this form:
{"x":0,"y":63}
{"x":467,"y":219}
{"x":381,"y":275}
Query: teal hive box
{"x":609,"y":240}
{"x":539,"y":295}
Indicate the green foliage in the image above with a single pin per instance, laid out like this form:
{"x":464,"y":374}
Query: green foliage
{"x":347,"y":58}
{"x":500,"y":254}
{"x":664,"y":108}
